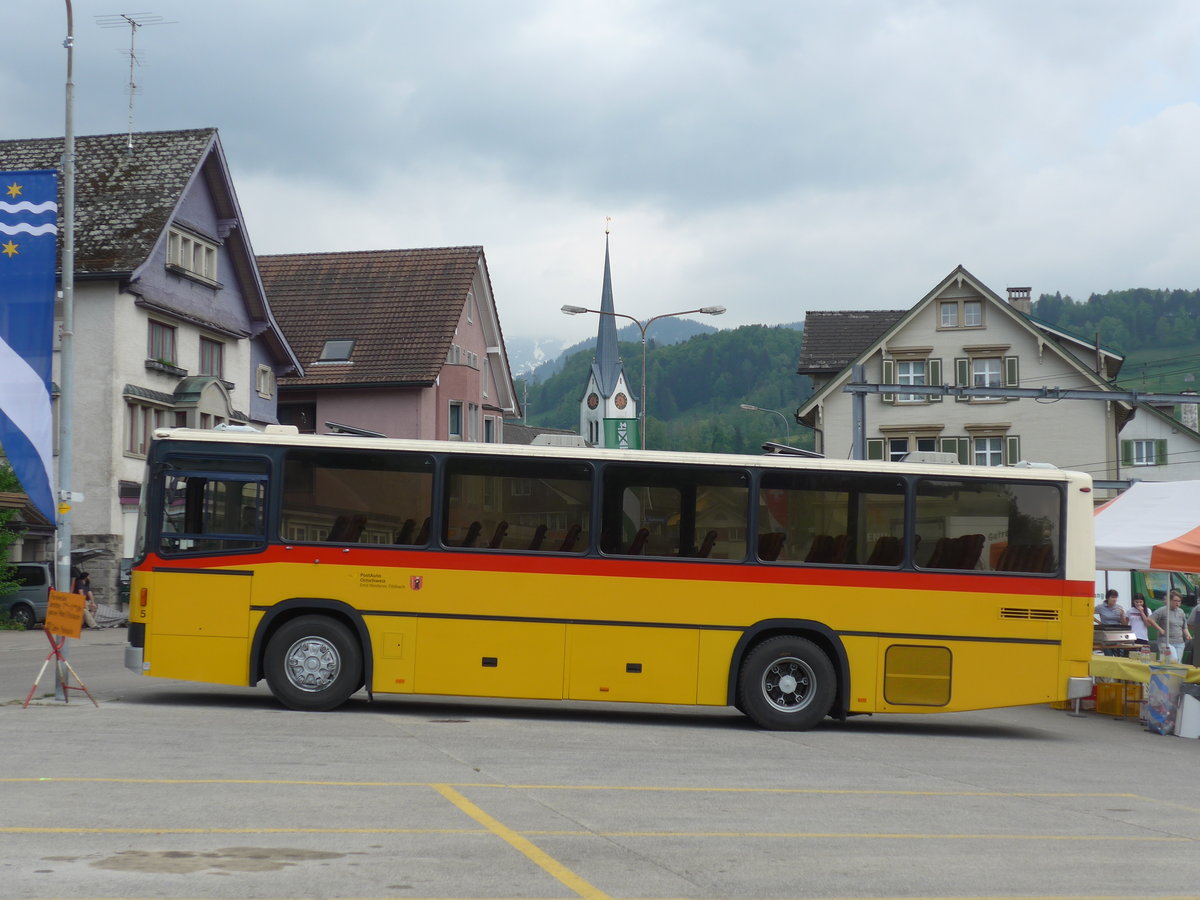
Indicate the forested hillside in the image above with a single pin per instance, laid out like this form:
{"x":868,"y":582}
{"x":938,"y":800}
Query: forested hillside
{"x":695,"y":389}
{"x":1157,"y":330}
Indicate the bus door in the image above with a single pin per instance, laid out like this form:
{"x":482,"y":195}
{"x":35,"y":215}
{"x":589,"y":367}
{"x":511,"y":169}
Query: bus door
{"x":212,"y":513}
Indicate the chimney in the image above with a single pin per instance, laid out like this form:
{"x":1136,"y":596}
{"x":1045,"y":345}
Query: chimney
{"x":1189,"y":413}
{"x":1019,"y":299}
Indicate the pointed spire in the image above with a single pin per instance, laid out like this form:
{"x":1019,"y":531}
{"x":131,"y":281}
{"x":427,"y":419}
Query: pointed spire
{"x":608,"y":361}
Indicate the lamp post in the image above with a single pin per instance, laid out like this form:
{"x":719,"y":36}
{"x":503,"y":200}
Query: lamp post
{"x":787,"y":431}
{"x":642,"y":326}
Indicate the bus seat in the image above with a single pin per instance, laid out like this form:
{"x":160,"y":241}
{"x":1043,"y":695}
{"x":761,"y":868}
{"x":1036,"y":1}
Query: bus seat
{"x":638,"y":543}
{"x":706,"y":547}
{"x":539,"y":535}
{"x":821,"y":549}
{"x":838,"y":553}
{"x":472,"y":534}
{"x":970,"y":548}
{"x":423,"y":534}
{"x":405,"y":534}
{"x":770,"y":543}
{"x":937,"y":559}
{"x":886,"y":552}
{"x":498,"y":535}
{"x":568,"y":543}
{"x":347,"y":529}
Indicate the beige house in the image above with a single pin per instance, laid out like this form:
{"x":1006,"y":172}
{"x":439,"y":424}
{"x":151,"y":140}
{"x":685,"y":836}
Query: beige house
{"x":963,"y":333}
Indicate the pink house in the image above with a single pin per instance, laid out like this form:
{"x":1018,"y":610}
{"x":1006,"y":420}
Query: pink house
{"x":399,"y":343}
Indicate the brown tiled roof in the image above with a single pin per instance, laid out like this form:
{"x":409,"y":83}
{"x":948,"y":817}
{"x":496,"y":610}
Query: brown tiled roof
{"x":834,"y":338}
{"x":399,"y":306}
{"x":123,"y":200}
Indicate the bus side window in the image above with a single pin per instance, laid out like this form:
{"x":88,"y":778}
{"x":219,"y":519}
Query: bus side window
{"x":356,"y":497}
{"x":991,"y":526}
{"x":504,"y":504}
{"x":682,"y":512}
{"x":211,"y":513}
{"x":831,"y":518}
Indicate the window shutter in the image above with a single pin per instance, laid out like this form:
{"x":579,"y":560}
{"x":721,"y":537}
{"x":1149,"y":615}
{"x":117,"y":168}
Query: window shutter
{"x":889,"y":377}
{"x":1012,"y":449}
{"x":962,"y":374}
{"x":935,"y":378}
{"x":1012,"y":373}
{"x":960,"y":446}
{"x":1160,"y":452}
{"x":875,"y":448}
{"x":1127,"y":453}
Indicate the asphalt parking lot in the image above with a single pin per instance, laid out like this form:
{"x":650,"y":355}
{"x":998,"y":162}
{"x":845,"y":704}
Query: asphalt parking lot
{"x":171,"y":789}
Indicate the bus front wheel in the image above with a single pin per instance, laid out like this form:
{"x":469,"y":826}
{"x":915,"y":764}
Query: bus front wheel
{"x":786,"y":684}
{"x":313,"y":663}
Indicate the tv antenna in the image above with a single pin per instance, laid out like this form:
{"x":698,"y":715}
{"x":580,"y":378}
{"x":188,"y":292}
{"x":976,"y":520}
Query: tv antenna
{"x":132,"y":21}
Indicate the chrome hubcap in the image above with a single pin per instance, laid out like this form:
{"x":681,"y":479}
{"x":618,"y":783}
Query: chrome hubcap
{"x":312,"y":664}
{"x":787,"y":684}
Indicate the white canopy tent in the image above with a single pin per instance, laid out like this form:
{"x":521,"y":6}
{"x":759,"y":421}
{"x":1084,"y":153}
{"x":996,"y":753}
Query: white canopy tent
{"x":1153,"y":525}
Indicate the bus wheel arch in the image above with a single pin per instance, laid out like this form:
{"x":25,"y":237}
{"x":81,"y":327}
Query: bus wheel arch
{"x":313,"y":663}
{"x":807,"y":650}
{"x":335,"y":624}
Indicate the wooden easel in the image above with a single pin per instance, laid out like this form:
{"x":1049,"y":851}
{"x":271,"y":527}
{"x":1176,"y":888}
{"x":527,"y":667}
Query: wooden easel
{"x":64,"y":618}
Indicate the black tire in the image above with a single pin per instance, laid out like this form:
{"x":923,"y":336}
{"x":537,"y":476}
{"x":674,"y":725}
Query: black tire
{"x":313,"y":663}
{"x":22,"y":614}
{"x":786,"y":683}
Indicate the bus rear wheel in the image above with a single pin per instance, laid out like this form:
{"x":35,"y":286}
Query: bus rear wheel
{"x":786,"y":683}
{"x":313,"y":663}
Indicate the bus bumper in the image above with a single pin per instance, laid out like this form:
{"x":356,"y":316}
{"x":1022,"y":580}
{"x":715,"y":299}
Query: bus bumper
{"x":133,"y":658}
{"x":1077,"y":688}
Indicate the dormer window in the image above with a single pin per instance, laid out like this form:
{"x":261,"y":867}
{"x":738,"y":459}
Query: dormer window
{"x":192,"y":255}
{"x":336,"y":351}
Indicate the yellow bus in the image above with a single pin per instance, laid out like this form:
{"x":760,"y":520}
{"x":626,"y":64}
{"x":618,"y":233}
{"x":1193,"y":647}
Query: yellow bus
{"x":791,"y":588}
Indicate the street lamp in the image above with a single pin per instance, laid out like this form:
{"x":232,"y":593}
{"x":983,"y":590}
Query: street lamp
{"x":787,"y":431}
{"x":642,"y":326}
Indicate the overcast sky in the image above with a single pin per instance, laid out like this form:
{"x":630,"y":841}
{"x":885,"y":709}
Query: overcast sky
{"x":772,"y":157}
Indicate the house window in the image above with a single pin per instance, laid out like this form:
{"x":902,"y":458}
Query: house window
{"x":161,"y":347}
{"x":1145,"y":452}
{"x":456,"y":421}
{"x":985,"y":372}
{"x":337,"y":351}
{"x":212,"y":358}
{"x":594,"y":433}
{"x":192,"y":255}
{"x":453,"y":355}
{"x":910,"y":371}
{"x":472,"y":421}
{"x":140,"y":422}
{"x":470,"y":307}
{"x":988,"y":451}
{"x":489,"y":430}
{"x":960,"y":314}
{"x":484,"y":379}
{"x":897,"y":447}
{"x":264,"y":382}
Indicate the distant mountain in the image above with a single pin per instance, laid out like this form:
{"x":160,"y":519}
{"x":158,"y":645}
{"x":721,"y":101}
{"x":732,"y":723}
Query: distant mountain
{"x":662,"y":333}
{"x":526,"y":354}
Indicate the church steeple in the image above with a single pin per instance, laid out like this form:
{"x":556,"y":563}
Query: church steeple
{"x":607,"y":414}
{"x":608,"y":361}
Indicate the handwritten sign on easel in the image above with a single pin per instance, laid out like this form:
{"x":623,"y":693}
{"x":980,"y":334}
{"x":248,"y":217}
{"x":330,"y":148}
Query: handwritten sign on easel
{"x":64,"y":615}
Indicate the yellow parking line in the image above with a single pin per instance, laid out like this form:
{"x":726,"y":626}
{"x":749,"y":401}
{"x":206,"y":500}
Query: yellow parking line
{"x":523,"y":845}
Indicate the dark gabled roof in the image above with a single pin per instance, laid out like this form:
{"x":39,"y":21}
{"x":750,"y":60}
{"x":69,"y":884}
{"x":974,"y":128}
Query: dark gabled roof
{"x":401,"y":308}
{"x":834,"y":338}
{"x":123,"y":200}
{"x":517,"y":433}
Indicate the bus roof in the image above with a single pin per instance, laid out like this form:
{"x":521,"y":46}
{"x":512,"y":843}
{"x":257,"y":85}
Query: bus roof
{"x":283,"y":436}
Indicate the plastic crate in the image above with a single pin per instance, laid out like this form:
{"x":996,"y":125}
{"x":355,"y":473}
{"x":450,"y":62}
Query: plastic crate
{"x":1118,"y":699}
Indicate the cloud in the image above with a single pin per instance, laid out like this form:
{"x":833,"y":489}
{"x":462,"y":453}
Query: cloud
{"x":773,"y":157}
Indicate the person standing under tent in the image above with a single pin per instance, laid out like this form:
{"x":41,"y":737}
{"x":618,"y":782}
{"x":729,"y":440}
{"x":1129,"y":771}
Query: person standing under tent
{"x":1171,"y":621}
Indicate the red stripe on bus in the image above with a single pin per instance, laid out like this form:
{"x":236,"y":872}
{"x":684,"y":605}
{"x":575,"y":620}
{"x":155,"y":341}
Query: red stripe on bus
{"x":424,"y":561}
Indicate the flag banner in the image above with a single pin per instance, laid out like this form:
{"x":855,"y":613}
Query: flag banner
{"x":28,"y":267}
